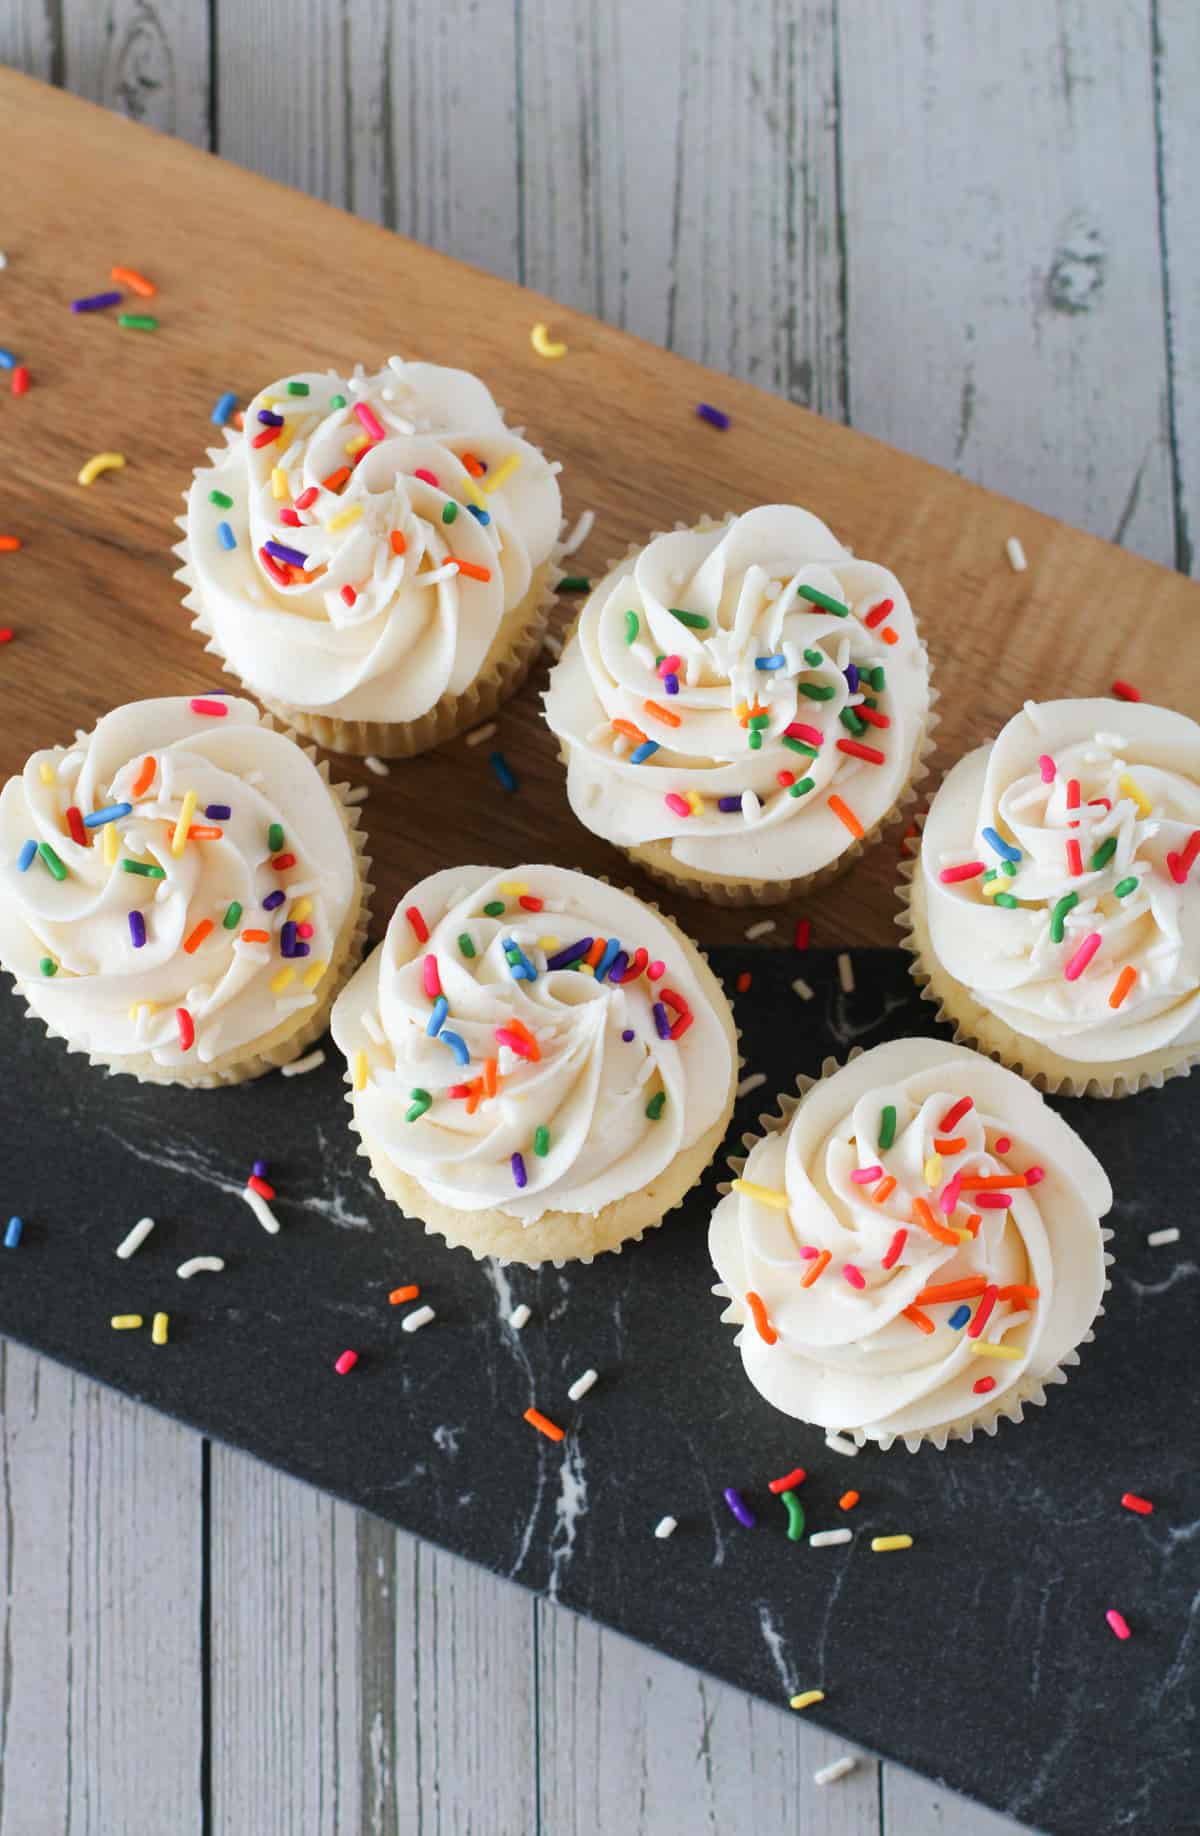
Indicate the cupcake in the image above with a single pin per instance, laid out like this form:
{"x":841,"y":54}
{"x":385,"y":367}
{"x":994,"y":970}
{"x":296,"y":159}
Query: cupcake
{"x":183,"y":892}
{"x":741,"y":706}
{"x":1054,"y":910}
{"x":540,"y":1065}
{"x":372,"y":556}
{"x":914,"y":1250}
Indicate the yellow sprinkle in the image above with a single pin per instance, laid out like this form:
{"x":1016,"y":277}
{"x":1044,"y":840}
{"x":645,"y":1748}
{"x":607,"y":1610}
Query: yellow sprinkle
{"x":514,"y":889}
{"x":298,"y":913}
{"x":350,"y":514}
{"x":151,"y":1007}
{"x":158,"y":1331}
{"x":125,"y":1322}
{"x":586,"y":969}
{"x":985,"y":1348}
{"x":285,"y":440}
{"x":102,"y":462}
{"x":766,"y":1195}
{"x":46,"y":772}
{"x":495,"y":479}
{"x":312,"y":976}
{"x":880,"y":1544}
{"x":187,"y":810}
{"x":468,"y":488}
{"x":989,"y":888}
{"x":357,"y":443}
{"x":280,"y":982}
{"x":964,"y":1236}
{"x":1128,"y":788}
{"x":933,"y":1169}
{"x":547,"y":944}
{"x":360,"y":1070}
{"x":806,"y":1698}
{"x":110,"y":844}
{"x":544,"y":344}
{"x":695,"y":802}
{"x":279,"y":485}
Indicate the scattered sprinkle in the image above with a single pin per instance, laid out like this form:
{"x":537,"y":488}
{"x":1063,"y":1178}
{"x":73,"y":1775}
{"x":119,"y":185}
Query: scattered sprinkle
{"x":714,"y":416}
{"x":223,"y":408}
{"x":136,"y":283}
{"x":806,"y":1698}
{"x":789,"y":1481}
{"x":582,"y":1384}
{"x":543,"y":1424}
{"x":1016,"y":555}
{"x":346,"y":1362}
{"x":477,"y":735}
{"x":795,"y":1511}
{"x":838,"y":1443}
{"x":847,"y":1501}
{"x":1118,"y":1622}
{"x":199,"y":1265}
{"x":845,"y":972}
{"x":134,"y":1240}
{"x":544,"y":344}
{"x":1132,"y":1502}
{"x":261,"y":1210}
{"x":100,"y":462}
{"x":665,"y":1527}
{"x":420,"y":1316}
{"x":761,"y":929}
{"x":95,"y":302}
{"x":825,"y":1539}
{"x":574,"y":583}
{"x":739,"y":1507}
{"x":1125,"y":691}
{"x":300,"y":1066}
{"x":754,"y":1082}
{"x":580,"y":533}
{"x":519,"y":1317}
{"x":125,"y":1322}
{"x":1156,"y":1238}
{"x":801,"y":987}
{"x":836,"y":1769}
{"x":137,"y":321}
{"x":12,"y":1235}
{"x":376,"y":765}
{"x":882,"y":1544}
{"x":503,"y":771}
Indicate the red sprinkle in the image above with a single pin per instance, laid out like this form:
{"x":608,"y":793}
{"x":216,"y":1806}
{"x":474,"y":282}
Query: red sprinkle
{"x":1125,"y":691}
{"x":857,"y":750}
{"x":427,"y":476}
{"x":349,"y":595}
{"x":5,"y":635}
{"x":289,"y":517}
{"x":743,"y":981}
{"x":267,"y":436}
{"x":279,"y":574}
{"x":20,"y":380}
{"x":893,"y":1250}
{"x":877,"y":614}
{"x":969,"y":870}
{"x":75,"y":825}
{"x":983,"y":1385}
{"x":187,"y":1029}
{"x":260,"y":1186}
{"x":797,"y":1476}
{"x":282,"y":862}
{"x":1074,"y":857}
{"x":872,"y":716}
{"x":346,"y":1362}
{"x":1132,"y":1502}
{"x":199,"y":705}
{"x":309,"y":497}
{"x":983,"y":1312}
{"x":418,"y":923}
{"x":954,"y":1114}
{"x":803,"y":933}
{"x":530,"y":903}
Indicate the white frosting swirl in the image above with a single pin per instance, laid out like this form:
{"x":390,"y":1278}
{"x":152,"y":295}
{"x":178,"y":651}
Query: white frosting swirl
{"x":379,"y":623}
{"x":1028,"y":1257}
{"x":755,"y":649}
{"x":1135,"y":804}
{"x":114,"y":997}
{"x":617,"y":1100}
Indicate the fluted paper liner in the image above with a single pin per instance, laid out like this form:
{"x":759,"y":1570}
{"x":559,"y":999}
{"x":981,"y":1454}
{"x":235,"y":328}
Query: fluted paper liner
{"x":568,"y":1236}
{"x":1027,"y":1391}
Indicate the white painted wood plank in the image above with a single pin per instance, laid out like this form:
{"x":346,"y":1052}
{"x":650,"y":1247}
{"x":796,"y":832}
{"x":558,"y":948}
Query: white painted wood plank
{"x":1004,"y":287}
{"x":912,"y":1806}
{"x":30,"y":39}
{"x":100,"y":1553}
{"x":281,"y":93}
{"x":1177,"y":61}
{"x":146,"y":58}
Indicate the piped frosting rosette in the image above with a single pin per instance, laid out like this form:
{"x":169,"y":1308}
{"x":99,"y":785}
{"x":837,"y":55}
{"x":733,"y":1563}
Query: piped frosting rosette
{"x":914,"y":1250}
{"x":1059,"y":888}
{"x":532,"y":1041}
{"x":746,"y":699}
{"x":181,"y":888}
{"x":354,"y":550}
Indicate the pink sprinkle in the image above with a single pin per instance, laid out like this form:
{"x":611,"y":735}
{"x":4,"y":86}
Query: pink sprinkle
{"x":514,"y":1042}
{"x":669,"y":665}
{"x":1034,"y":1175}
{"x":431,"y":978}
{"x":428,"y":477}
{"x":866,"y":1176}
{"x":346,"y":1362}
{"x":677,"y":804}
{"x":1082,"y":956}
{"x":812,"y":736}
{"x":893,"y":1250}
{"x":304,"y":931}
{"x":949,"y":1197}
{"x":970,"y":870}
{"x":656,"y":970}
{"x":413,"y":914}
{"x":854,"y":1276}
{"x":992,"y":1201}
{"x":200,"y":706}
{"x":808,"y":1251}
{"x":290,"y":518}
{"x":1118,"y":1622}
{"x":369,"y":420}
{"x":1047,"y":768}
{"x":1003,"y":1143}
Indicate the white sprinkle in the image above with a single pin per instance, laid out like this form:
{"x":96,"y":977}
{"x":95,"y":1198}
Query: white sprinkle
{"x":1016,"y":555}
{"x":519,"y":1317}
{"x":837,"y":1769}
{"x":845,"y":972}
{"x":477,"y":735}
{"x":837,"y":1443}
{"x":825,"y":1539}
{"x":299,"y":1066}
{"x":3,"y":259}
{"x":196,"y":1265}
{"x":751,"y":807}
{"x":413,"y":1322}
{"x":751,"y":1083}
{"x":665,"y":1527}
{"x":359,"y":794}
{"x":579,"y":534}
{"x":377,"y":766}
{"x":261,"y":1210}
{"x":1155,"y":1239}
{"x":582,"y":1385}
{"x":135,"y":1239}
{"x":552,"y":646}
{"x":436,"y":575}
{"x":801,"y":987}
{"x":760,"y":929}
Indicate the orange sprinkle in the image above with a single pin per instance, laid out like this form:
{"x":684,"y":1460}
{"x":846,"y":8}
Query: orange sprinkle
{"x":256,"y":936}
{"x":630,"y":731}
{"x":966,"y":1289}
{"x":522,"y":1031}
{"x":474,"y":1095}
{"x":1122,"y":985}
{"x":888,"y":635}
{"x":337,"y":479}
{"x":1022,"y":1291}
{"x":973,"y":1223}
{"x":955,"y":1145}
{"x":845,"y":814}
{"x":918,"y":1318}
{"x":137,"y":283}
{"x":192,"y":944}
{"x":847,"y":1501}
{"x":599,"y":946}
{"x":469,"y":568}
{"x":204,"y":832}
{"x":991,"y":1182}
{"x":9,"y":544}
{"x":489,"y":1077}
{"x":817,"y":1268}
{"x":762,"y":1324}
{"x":922,"y":1215}
{"x":883,"y":1190}
{"x":543,"y":1424}
{"x":472,"y":465}
{"x":399,"y":545}
{"x":144,"y":779}
{"x":743,"y":981}
{"x":663,"y":714}
{"x":399,"y":1295}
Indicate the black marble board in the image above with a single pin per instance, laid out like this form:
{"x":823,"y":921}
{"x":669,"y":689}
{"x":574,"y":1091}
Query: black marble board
{"x":981,"y":1656}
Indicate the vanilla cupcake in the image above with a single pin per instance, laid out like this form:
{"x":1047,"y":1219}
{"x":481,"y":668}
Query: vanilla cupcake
{"x":1054,"y":910}
{"x":182,"y":891}
{"x":914,"y":1251}
{"x":372,"y":556}
{"x":743,"y":705}
{"x":540,"y":1065}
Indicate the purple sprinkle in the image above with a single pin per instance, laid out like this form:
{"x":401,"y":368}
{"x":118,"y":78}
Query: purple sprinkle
{"x":287,"y":939}
{"x":729,"y":804}
{"x":628,"y":1035}
{"x":95,"y":302}
{"x":518,"y":1170}
{"x":268,"y":419}
{"x":661,"y":1021}
{"x":740,"y":1508}
{"x":282,"y":552}
{"x":259,"y":1169}
{"x":671,"y":683}
{"x":712,"y":415}
{"x":272,"y":900}
{"x":302,"y":949}
{"x":851,"y":675}
{"x":137,"y":929}
{"x":218,"y":812}
{"x":618,"y":966}
{"x":564,"y":958}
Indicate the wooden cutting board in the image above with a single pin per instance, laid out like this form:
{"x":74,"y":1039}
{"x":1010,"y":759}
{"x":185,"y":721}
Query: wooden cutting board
{"x":254,"y":281}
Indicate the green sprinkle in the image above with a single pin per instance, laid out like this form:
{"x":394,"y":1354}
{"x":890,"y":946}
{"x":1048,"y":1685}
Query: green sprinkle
{"x":759,"y":720}
{"x":1010,"y":868}
{"x":991,"y":874}
{"x":816,"y":659}
{"x":449,"y":512}
{"x":851,"y":722}
{"x":798,"y":745}
{"x":868,"y":701}
{"x":1123,"y":888}
{"x":275,"y":837}
{"x":1104,"y":853}
{"x":494,"y":908}
{"x":541,"y":1142}
{"x":660,"y":659}
{"x":654,"y":1107}
{"x":823,"y":600}
{"x":421,"y":1101}
{"x":755,"y":740}
{"x":887,"y":1125}
{"x":817,"y":691}
{"x":233,"y":912}
{"x":48,"y":966}
{"x":1005,"y":899}
{"x":875,"y":677}
{"x":800,"y":789}
{"x":465,"y":945}
{"x":632,"y":627}
{"x":695,"y":621}
{"x":1058,"y":916}
{"x":52,"y":861}
{"x":795,"y":1511}
{"x":147,"y":869}
{"x":220,"y":500}
{"x":297,"y":388}
{"x":574,"y":583}
{"x":337,"y":401}
{"x":137,"y":321}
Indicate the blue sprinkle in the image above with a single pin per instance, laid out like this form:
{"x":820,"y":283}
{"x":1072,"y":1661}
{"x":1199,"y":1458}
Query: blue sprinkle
{"x":503,"y":771}
{"x":259,"y":1169}
{"x":8,"y":360}
{"x":1002,"y":848}
{"x":661,"y":1021}
{"x":713,"y":416}
{"x":645,"y":751}
{"x":224,"y":408}
{"x":457,"y":1046}
{"x":481,"y":516}
{"x":437,"y":1018}
{"x":671,"y":683}
{"x":268,"y":419}
{"x":770,"y":662}
{"x":272,"y":900}
{"x":218,"y":812}
{"x":225,"y":536}
{"x":612,"y":950}
{"x":12,"y":1235}
{"x":518,"y":1171}
{"x":960,"y":1316}
{"x":111,"y":812}
{"x":564,"y":958}
{"x":25,"y":858}
{"x":729,"y":804}
{"x":628,"y":1035}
